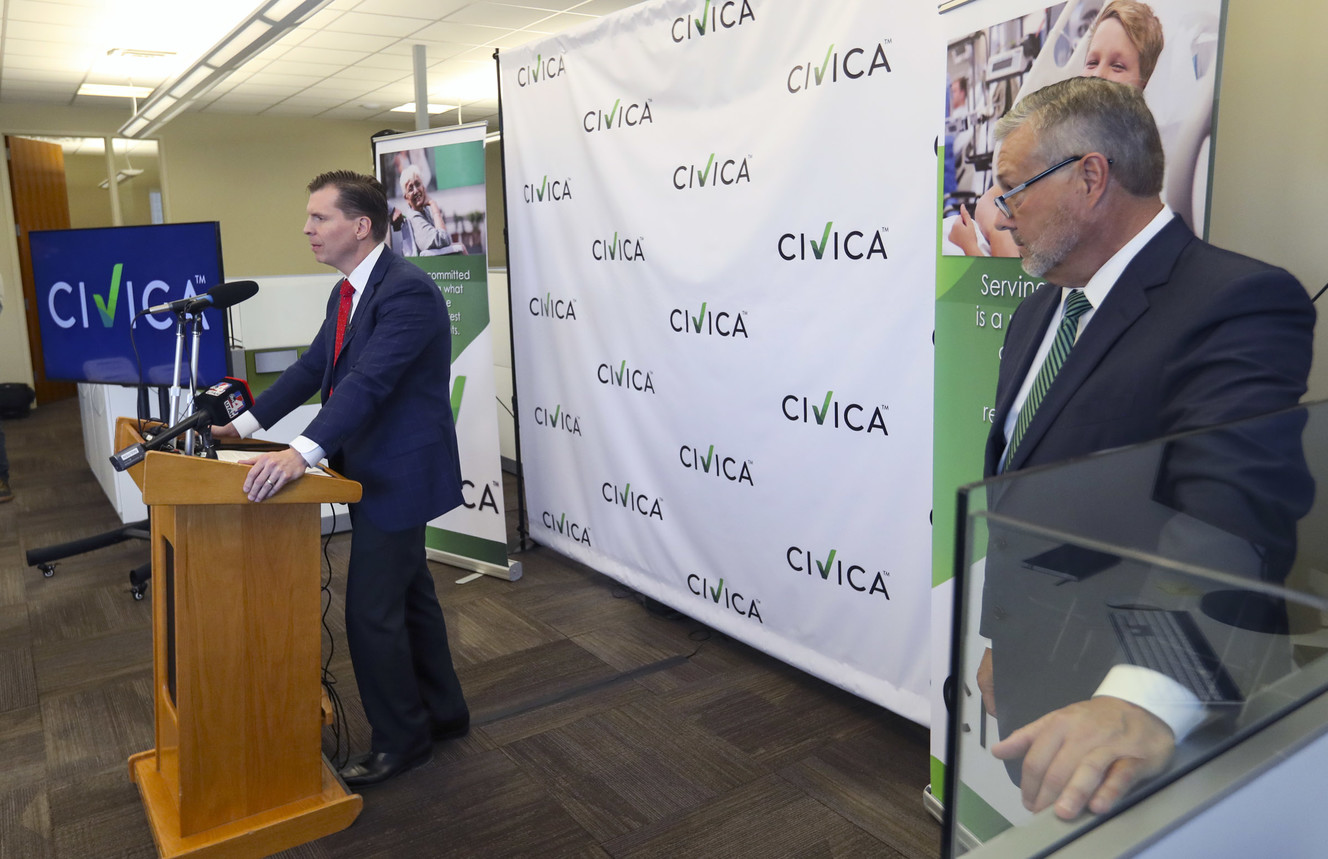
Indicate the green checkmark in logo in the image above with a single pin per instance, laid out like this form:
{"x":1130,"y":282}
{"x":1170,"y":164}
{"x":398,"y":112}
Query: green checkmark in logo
{"x":825,"y":239}
{"x":458,"y":387}
{"x":108,"y":312}
{"x":820,"y":73}
{"x":824,"y":409}
{"x":701,"y":24}
{"x":696,"y":320}
{"x":706,"y":174}
{"x":829,"y":561}
{"x":717,"y":590}
{"x":709,"y":458}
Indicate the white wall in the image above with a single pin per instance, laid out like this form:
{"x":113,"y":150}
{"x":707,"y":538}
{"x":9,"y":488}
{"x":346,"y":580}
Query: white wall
{"x":1271,"y":157}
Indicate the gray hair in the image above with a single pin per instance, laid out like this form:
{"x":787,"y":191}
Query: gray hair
{"x":409,"y":171}
{"x":1082,"y":115}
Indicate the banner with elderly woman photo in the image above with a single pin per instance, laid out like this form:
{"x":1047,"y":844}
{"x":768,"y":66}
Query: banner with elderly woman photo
{"x":437,"y":206}
{"x":997,"y":52}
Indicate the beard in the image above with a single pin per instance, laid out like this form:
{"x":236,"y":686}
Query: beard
{"x":1052,"y":247}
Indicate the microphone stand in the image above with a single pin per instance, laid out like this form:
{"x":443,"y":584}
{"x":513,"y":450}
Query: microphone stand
{"x":193,"y":321}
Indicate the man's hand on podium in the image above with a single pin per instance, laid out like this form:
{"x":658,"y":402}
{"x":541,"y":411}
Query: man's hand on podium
{"x":272,"y":471}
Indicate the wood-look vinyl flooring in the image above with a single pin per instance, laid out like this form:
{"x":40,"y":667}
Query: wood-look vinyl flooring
{"x":600,"y":729}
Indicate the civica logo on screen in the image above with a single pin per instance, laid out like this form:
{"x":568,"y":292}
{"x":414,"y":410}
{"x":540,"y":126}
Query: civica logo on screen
{"x":715,"y":15}
{"x":835,"y":571}
{"x":543,"y":69}
{"x":855,"y":64}
{"x":69,"y":307}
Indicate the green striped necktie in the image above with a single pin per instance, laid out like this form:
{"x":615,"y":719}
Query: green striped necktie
{"x":1076,"y":305}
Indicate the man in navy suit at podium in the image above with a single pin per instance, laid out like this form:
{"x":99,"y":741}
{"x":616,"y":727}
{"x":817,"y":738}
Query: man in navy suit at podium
{"x":381,"y":364}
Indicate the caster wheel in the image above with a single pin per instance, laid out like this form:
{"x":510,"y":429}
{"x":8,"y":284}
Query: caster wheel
{"x":47,"y":570}
{"x":138,"y":593}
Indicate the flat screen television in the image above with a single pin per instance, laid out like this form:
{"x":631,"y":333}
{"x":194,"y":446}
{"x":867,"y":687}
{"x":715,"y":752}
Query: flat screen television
{"x":92,"y":283}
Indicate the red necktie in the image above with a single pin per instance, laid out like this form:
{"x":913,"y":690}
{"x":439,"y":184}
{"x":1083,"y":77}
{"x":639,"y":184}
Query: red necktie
{"x":343,"y":316}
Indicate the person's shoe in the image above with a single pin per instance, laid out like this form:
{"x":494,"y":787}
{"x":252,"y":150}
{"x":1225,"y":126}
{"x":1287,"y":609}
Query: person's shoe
{"x":378,"y":767}
{"x":6,"y":494}
{"x":452,"y":729}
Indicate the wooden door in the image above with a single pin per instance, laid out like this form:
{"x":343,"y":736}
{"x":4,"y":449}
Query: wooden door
{"x":37,"y":181}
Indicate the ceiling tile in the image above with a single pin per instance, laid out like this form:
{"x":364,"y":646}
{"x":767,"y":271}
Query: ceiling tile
{"x":497,"y":15}
{"x":378,"y":25}
{"x":469,"y":34}
{"x":411,"y":8}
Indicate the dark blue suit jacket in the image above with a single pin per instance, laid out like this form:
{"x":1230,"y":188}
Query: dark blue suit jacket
{"x":386,"y":419}
{"x":1190,"y":337}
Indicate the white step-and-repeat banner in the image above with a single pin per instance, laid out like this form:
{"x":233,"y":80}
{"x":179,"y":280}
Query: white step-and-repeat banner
{"x":722,"y":264}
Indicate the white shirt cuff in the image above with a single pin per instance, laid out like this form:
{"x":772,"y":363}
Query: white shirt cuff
{"x":1157,"y":693}
{"x":308,"y":449}
{"x":246,"y":424}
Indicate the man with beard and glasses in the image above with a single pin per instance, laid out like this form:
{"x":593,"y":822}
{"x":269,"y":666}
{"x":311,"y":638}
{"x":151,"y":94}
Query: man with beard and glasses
{"x":1141,"y":331}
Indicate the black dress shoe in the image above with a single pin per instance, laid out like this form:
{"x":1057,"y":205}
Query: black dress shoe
{"x":451,"y":729}
{"x":376,"y":767}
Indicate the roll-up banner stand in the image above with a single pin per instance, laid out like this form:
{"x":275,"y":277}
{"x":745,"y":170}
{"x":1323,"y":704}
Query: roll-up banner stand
{"x":722,"y":259}
{"x":443,"y":232}
{"x":996,"y":51}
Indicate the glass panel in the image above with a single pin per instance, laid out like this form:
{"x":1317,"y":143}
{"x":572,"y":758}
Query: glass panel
{"x":137,"y":181}
{"x":1188,"y":573}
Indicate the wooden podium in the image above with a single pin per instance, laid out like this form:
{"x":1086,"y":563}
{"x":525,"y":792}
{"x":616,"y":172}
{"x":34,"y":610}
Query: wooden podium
{"x":238,"y":769}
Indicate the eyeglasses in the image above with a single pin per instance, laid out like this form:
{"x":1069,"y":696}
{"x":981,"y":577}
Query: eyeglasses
{"x":1001,"y":201}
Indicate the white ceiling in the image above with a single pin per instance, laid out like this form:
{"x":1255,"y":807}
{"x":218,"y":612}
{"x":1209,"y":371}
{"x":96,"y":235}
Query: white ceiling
{"x":351,"y":60}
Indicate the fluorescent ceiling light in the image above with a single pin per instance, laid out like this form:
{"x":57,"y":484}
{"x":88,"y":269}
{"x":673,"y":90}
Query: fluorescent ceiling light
{"x":122,"y":176}
{"x":115,"y":90}
{"x":409,"y":107}
{"x":237,"y":43}
{"x":263,"y":26}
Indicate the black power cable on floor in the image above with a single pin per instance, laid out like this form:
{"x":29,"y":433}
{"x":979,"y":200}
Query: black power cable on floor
{"x":340,"y":755}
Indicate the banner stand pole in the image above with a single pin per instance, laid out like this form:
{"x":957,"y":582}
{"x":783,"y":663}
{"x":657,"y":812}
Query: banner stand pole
{"x":522,"y":521}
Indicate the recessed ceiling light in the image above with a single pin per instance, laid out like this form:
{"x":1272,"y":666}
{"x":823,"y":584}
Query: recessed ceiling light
{"x":409,"y":107}
{"x":115,"y":90}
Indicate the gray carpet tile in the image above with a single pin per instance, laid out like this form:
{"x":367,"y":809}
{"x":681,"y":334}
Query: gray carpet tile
{"x":769,"y":818}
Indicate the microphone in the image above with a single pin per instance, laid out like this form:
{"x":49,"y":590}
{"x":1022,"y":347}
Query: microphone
{"x":218,"y":405}
{"x":220,"y":296}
